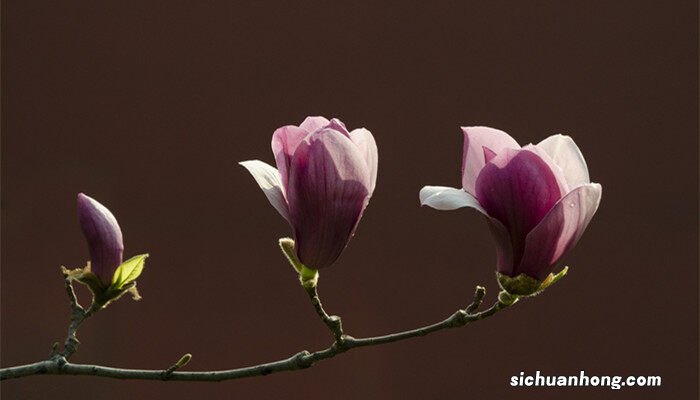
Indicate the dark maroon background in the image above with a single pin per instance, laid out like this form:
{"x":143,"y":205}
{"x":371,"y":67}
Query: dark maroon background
{"x":148,"y":106}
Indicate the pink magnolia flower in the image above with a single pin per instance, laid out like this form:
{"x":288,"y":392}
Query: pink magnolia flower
{"x":324,"y":179}
{"x":538,"y":199}
{"x":104,"y":238}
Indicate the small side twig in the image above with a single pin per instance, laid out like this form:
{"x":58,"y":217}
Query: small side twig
{"x":179,"y":364}
{"x":78,"y":316}
{"x":333,"y":322}
{"x":479,"y":294}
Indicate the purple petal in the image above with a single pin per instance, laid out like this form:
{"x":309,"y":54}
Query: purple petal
{"x":104,"y":237}
{"x":559,"y":230}
{"x":312,"y":124}
{"x":518,"y":189}
{"x":329,"y":187}
{"x":364,"y":141}
{"x":268,"y":178}
{"x":285,"y":141}
{"x":475,"y":139}
{"x":566,"y":154}
{"x":504,"y":247}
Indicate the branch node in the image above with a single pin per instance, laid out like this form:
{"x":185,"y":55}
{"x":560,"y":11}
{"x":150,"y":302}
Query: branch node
{"x":459,"y":318}
{"x":303,"y":359}
{"x":506,"y":299}
{"x":343,"y":343}
{"x":61,"y":361}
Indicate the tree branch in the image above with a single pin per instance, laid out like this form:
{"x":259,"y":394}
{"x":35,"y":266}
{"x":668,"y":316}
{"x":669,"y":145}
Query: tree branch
{"x":301,"y":360}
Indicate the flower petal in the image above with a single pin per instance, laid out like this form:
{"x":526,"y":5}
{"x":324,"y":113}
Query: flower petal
{"x":339,"y":126}
{"x":268,"y":178}
{"x":559,"y":230}
{"x":329,"y":187}
{"x":446,"y":198}
{"x":504,"y":246}
{"x":285,"y":141}
{"x":364,"y":141}
{"x":104,"y":237}
{"x":564,"y":187}
{"x":566,"y":154}
{"x":488,"y":154}
{"x":517,"y":188}
{"x":312,"y":124}
{"x":475,"y":139}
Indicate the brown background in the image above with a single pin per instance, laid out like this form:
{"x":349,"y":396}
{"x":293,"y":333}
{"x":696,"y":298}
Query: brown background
{"x":147,"y":106}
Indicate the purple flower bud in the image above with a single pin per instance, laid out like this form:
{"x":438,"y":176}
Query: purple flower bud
{"x":104,"y":237}
{"x":538,"y":199}
{"x":324,"y":179}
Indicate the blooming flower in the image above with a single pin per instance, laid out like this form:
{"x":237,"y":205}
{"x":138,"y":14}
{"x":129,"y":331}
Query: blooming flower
{"x":538,"y":199}
{"x":104,"y":238}
{"x":324,"y":178}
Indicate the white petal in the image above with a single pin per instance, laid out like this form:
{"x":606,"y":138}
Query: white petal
{"x":447,"y":198}
{"x":268,"y":178}
{"x":568,"y":157}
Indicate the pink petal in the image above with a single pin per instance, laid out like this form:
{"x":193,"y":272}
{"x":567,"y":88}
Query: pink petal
{"x":285,"y":141}
{"x":565,"y":153}
{"x":312,"y":124}
{"x":329,"y":187}
{"x":339,"y":126}
{"x":364,"y":141}
{"x":556,"y":170}
{"x":475,"y":139}
{"x":559,"y":230}
{"x":518,"y":189}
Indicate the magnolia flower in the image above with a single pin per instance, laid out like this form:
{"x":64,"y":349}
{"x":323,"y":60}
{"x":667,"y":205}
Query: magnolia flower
{"x":324,"y":178}
{"x":104,"y":238}
{"x":537,"y":199}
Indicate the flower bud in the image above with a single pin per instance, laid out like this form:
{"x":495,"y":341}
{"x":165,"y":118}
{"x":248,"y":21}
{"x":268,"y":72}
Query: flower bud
{"x":104,"y":238}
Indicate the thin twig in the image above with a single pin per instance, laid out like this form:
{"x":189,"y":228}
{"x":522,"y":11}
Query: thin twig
{"x":479,"y":294}
{"x":78,"y":316}
{"x":333,"y":322}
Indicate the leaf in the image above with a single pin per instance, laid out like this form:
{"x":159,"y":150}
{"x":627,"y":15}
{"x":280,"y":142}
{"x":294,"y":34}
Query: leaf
{"x":128,"y":271}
